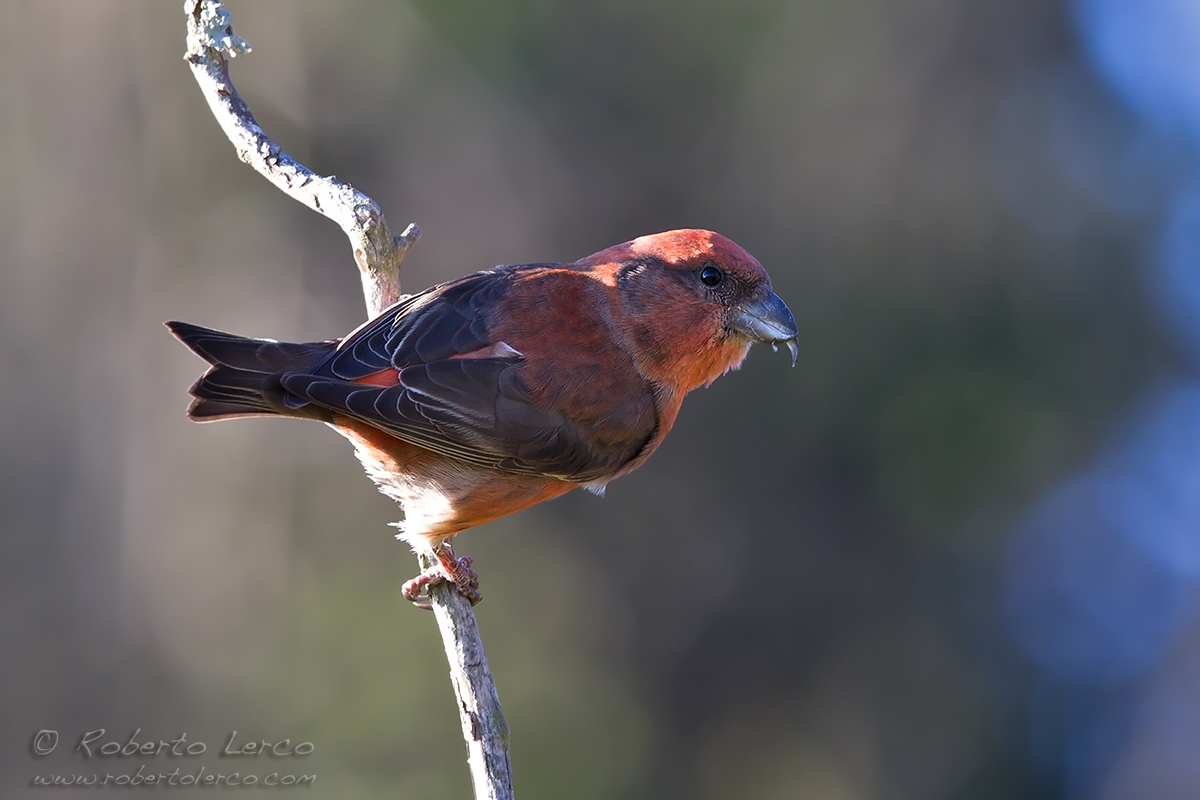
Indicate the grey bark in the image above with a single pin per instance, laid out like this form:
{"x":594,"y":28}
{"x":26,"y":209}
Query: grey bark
{"x":210,"y":39}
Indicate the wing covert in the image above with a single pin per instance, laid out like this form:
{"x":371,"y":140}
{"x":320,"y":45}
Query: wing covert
{"x":474,"y":409}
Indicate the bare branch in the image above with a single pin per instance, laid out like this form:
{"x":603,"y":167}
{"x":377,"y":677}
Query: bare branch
{"x":485,"y":730}
{"x":378,"y":255}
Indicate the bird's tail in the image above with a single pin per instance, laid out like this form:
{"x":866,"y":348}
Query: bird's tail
{"x":243,"y":380}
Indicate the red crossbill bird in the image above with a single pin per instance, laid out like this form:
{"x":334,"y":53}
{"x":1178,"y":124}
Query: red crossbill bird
{"x":484,"y":395}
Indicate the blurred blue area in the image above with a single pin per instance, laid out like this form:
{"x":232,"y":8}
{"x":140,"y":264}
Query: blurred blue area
{"x":1104,"y":149}
{"x":1176,"y":273}
{"x":1147,"y":51}
{"x":1102,"y":577}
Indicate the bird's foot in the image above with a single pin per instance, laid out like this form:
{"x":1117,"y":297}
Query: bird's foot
{"x":447,"y":569}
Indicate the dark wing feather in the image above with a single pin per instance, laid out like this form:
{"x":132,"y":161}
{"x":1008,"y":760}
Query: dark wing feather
{"x":438,"y":323}
{"x":476,"y":410}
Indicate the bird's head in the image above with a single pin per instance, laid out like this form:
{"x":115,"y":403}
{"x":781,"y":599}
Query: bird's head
{"x":693,"y":302}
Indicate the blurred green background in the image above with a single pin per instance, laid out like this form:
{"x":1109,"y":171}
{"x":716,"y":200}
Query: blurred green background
{"x":831,"y":583}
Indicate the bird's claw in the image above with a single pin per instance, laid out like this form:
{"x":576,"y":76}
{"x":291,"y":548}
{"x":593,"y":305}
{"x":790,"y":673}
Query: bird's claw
{"x":448,"y":569}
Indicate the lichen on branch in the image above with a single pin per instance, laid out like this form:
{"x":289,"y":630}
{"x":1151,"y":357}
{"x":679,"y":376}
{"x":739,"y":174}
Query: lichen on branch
{"x":210,"y":41}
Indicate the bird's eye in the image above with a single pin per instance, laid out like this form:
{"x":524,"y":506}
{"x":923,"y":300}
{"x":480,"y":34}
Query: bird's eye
{"x":711,"y":275}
